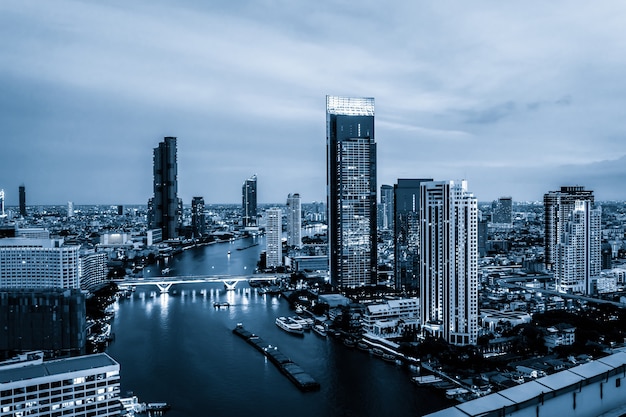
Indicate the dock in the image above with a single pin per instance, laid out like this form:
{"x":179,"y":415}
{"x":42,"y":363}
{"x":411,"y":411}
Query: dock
{"x":293,"y":371}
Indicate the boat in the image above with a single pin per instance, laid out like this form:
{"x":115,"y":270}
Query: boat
{"x":349,"y":342}
{"x":389,"y":357}
{"x":157,"y":407}
{"x":165,"y":271}
{"x":229,"y":253}
{"x":289,"y":326}
{"x":224,"y":304}
{"x":378,"y":352}
{"x":302,"y":322}
{"x":426,"y":379}
{"x":363,"y":346}
{"x":320,"y":329}
{"x":299,"y":310}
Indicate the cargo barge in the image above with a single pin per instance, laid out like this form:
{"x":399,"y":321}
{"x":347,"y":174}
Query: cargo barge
{"x":301,"y":379}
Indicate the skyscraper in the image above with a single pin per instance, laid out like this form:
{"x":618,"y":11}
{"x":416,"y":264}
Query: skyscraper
{"x":294,"y":220}
{"x":273,"y":236}
{"x":165,"y":203}
{"x":2,"y":204}
{"x":503,"y":210}
{"x":406,"y":195}
{"x":558,"y":206}
{"x":577,"y":259}
{"x":198,"y":222}
{"x":386,"y":207}
{"x":22,"y":190}
{"x":70,"y":209}
{"x":449,"y":261}
{"x":351,"y":190}
{"x":248,"y":202}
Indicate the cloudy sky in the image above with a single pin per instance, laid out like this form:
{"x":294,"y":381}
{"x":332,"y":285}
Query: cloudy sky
{"x":517,"y":97}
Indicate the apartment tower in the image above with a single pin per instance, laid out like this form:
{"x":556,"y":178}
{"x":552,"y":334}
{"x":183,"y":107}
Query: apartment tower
{"x":166,"y":214}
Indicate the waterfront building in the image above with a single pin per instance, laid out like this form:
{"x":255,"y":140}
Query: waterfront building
{"x":273,"y":237}
{"x":386,"y":207}
{"x":589,"y":390}
{"x":93,"y":271}
{"x":294,"y":221}
{"x":558,"y":206}
{"x":577,"y":262}
{"x":79,"y":386}
{"x":38,"y":263}
{"x":166,"y":213}
{"x":503,"y":210}
{"x":449,"y":261}
{"x":22,"y":191}
{"x":406,"y":237}
{"x":386,"y":319}
{"x":351,"y":191}
{"x":51,"y":320}
{"x":198,"y":221}
{"x":248,"y":202}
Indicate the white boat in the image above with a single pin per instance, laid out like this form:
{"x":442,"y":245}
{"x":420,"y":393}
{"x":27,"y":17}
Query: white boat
{"x":302,"y":322}
{"x":165,"y":271}
{"x":320,"y":329}
{"x":289,"y":326}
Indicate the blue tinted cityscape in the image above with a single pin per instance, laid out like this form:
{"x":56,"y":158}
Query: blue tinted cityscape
{"x":316,"y":209}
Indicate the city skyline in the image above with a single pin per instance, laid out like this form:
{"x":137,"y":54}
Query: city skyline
{"x":517,"y":99}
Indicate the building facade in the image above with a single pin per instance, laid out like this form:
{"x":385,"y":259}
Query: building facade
{"x":22,"y":191}
{"x":386,"y":207}
{"x":80,"y":386}
{"x":449,"y":261}
{"x":198,"y":220}
{"x":38,"y":263}
{"x":407,"y":233}
{"x":294,"y":221}
{"x":578,"y":261}
{"x":93,"y":271}
{"x":351,"y":191}
{"x":558,"y":206}
{"x":273,"y":237}
{"x":248,"y":202}
{"x":503,"y":210}
{"x":165,"y":205}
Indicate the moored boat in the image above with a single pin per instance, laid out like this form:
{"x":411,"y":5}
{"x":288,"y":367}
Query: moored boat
{"x":320,"y":329}
{"x":289,"y":326}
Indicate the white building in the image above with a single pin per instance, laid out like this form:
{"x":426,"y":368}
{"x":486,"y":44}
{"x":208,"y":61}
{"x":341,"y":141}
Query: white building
{"x":294,"y":220}
{"x":38,"y":263}
{"x":387,"y":319}
{"x":33,"y":233}
{"x":449,"y":261}
{"x":578,"y":258}
{"x":273,"y":236}
{"x":79,"y":386}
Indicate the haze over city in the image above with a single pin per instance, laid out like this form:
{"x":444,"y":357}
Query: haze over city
{"x":516,"y":98}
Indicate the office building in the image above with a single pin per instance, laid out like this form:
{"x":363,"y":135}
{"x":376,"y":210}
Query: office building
{"x":38,"y":263}
{"x":198,"y":221}
{"x":248,"y":202}
{"x":503,"y":210}
{"x":558,"y":206}
{"x":351,"y":191}
{"x":449,"y":261}
{"x":93,"y":271}
{"x":70,"y":209}
{"x":2,"y":214}
{"x":22,"y":190}
{"x":165,"y":205}
{"x":406,"y":236}
{"x":386,"y":207}
{"x":273,"y":237}
{"x":294,"y":221}
{"x":577,"y":261}
{"x":79,"y":386}
{"x":50,"y":320}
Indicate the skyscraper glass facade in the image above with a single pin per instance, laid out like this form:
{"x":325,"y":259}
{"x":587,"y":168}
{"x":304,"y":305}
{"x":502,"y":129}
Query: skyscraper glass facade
{"x":166,"y":213}
{"x":248,"y":202}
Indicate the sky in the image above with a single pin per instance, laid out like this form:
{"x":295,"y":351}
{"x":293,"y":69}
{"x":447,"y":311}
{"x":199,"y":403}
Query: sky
{"x":517,"y":97}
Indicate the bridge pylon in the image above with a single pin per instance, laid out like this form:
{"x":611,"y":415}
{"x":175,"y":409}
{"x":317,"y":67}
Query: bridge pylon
{"x":164,"y":287}
{"x":230,"y":285}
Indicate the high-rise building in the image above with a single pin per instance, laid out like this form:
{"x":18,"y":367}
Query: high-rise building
{"x":294,"y":221}
{"x":2,"y":214}
{"x":198,"y":221}
{"x":22,"y":191}
{"x":406,"y":237}
{"x":503,"y":210}
{"x":166,"y":214}
{"x":248,"y":202}
{"x":273,"y":237}
{"x":93,"y":271}
{"x":577,"y":260}
{"x":449,"y":261}
{"x":38,"y":263}
{"x":351,"y":191}
{"x":51,"y":320}
{"x":80,"y":386}
{"x":386,"y":207}
{"x":558,"y":206}
{"x":70,"y":209}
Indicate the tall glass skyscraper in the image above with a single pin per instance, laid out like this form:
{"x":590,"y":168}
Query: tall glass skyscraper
{"x":22,"y":191}
{"x":248,"y":202}
{"x":406,"y":195}
{"x":198,"y":222}
{"x":294,"y":221}
{"x":351,"y":190}
{"x":385,"y":214}
{"x":166,"y":214}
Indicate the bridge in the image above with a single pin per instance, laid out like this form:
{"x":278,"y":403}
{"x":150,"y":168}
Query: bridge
{"x":165,"y":283}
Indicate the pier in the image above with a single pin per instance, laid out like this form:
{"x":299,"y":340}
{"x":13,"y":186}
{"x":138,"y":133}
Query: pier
{"x":290,"y":369}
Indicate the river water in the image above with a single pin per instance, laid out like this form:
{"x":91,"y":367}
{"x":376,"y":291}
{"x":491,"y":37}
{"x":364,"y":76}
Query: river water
{"x":178,"y":348}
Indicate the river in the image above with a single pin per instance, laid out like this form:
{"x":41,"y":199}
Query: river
{"x":178,"y":348}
